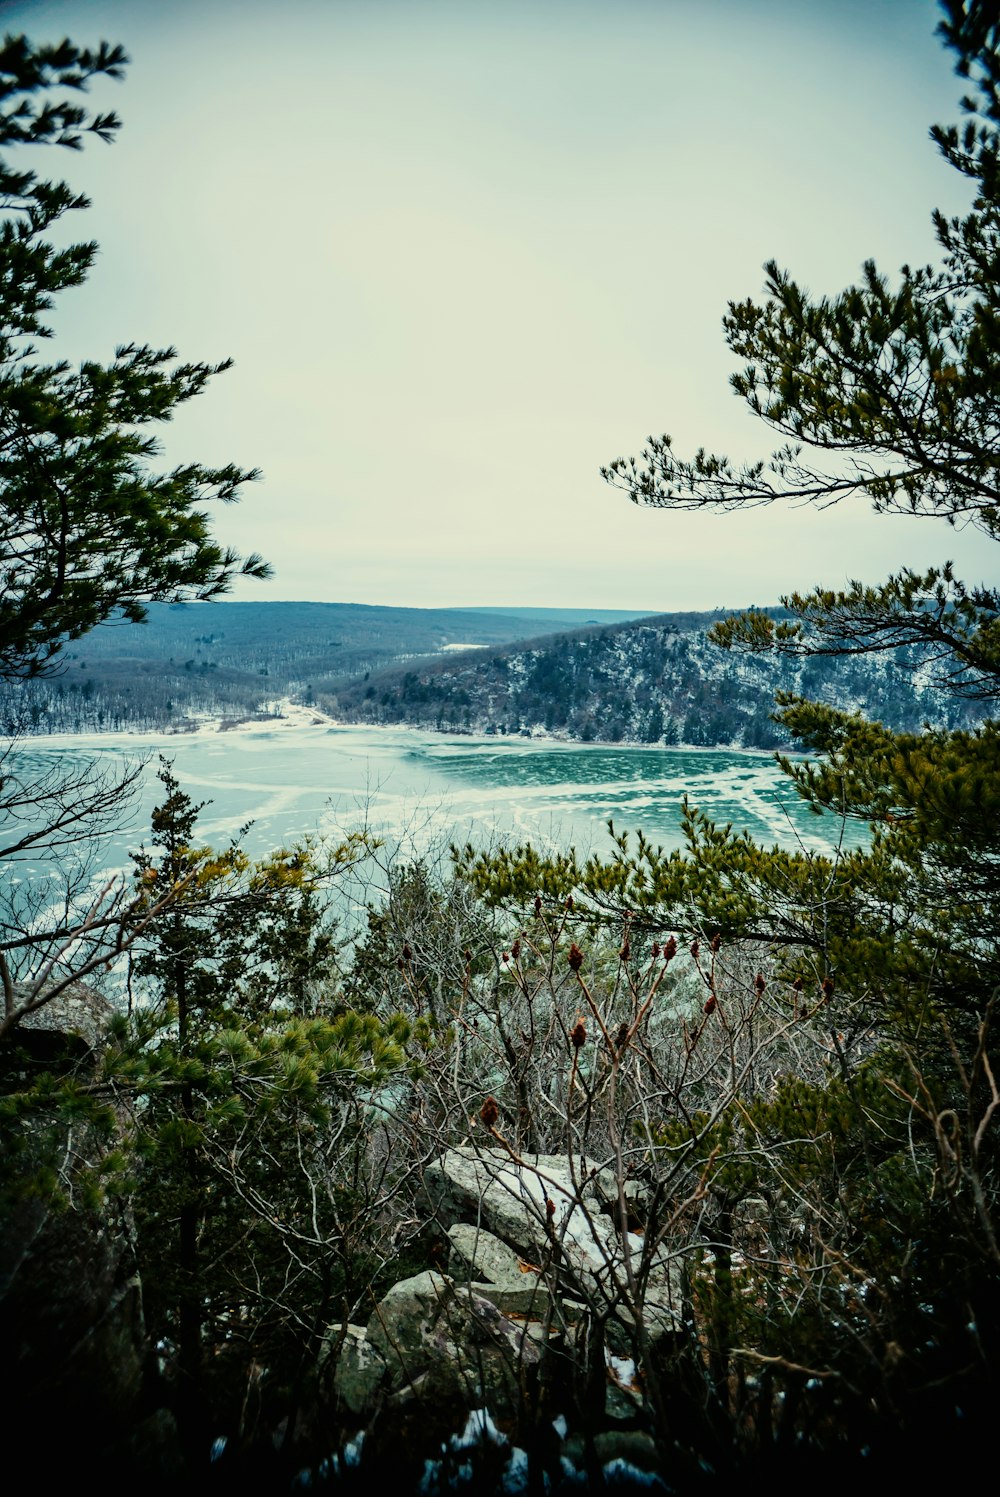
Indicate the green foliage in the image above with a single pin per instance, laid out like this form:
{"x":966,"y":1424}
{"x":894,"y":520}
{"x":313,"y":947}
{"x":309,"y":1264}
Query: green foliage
{"x":801,"y":1107}
{"x":421,"y":943}
{"x":90,"y":527}
{"x":247,"y":1081}
{"x":952,"y":628}
{"x":864,"y":1298}
{"x":885,"y":390}
{"x":898,"y":386}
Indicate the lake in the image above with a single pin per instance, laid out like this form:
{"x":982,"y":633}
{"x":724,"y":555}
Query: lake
{"x":298,"y":776}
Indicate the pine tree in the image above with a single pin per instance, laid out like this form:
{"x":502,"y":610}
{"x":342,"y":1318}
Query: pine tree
{"x":889,"y":1289}
{"x":89,"y":527}
{"x":892,"y":390}
{"x":246,"y":1076}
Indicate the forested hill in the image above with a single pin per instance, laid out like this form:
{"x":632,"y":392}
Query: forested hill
{"x":658,"y":680}
{"x":237,"y":660}
{"x":646,"y":680}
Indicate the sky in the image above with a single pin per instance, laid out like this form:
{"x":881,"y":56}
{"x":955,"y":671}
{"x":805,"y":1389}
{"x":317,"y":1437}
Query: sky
{"x":464,"y":252}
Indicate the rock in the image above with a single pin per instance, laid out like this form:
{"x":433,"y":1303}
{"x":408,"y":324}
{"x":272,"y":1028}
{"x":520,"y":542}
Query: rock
{"x":494,"y":1271}
{"x":71,"y":1323}
{"x":76,"y":1353}
{"x":360,"y":1372}
{"x":78,"y":1016}
{"x":629,"y":1454}
{"x":552,"y":1214}
{"x":752,"y":1224}
{"x":435,"y":1342}
{"x":537,"y":1272}
{"x":479,"y":1253}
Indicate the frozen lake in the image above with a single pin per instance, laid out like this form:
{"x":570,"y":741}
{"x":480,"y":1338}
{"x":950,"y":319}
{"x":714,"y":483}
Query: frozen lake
{"x":294,"y":778}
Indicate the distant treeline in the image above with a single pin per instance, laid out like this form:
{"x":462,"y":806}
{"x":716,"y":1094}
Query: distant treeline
{"x":237,"y":660}
{"x":656,"y":680}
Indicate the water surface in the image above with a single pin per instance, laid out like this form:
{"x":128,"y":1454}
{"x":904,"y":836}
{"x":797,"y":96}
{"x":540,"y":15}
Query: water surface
{"x":290,"y":781}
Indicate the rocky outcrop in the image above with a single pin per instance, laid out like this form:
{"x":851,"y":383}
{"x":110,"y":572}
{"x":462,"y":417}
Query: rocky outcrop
{"x":439,"y":1343}
{"x":561,"y":1215}
{"x":70,"y":1312}
{"x":538,"y":1274}
{"x":71,"y":1021}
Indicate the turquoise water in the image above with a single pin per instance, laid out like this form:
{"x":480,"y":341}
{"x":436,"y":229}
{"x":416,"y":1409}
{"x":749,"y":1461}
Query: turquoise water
{"x":426,"y":789}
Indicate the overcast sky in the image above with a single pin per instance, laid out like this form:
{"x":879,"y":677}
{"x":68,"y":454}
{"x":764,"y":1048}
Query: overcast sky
{"x":464,"y":253}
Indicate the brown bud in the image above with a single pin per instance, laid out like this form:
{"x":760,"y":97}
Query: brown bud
{"x":695,"y":948}
{"x":489,"y":1112}
{"x":515,"y":950}
{"x":712,"y":1004}
{"x":626,"y":950}
{"x":569,"y":901}
{"x":407,"y":953}
{"x":550,"y":1207}
{"x":656,"y":950}
{"x":759,"y":982}
{"x":467,"y":954}
{"x":716,"y":942}
{"x":798,"y":984}
{"x":575,"y":957}
{"x":827,"y":986}
{"x":578,"y":1034}
{"x":538,"y":904}
{"x":504,"y":957}
{"x":670,"y":950}
{"x":621,"y":1038}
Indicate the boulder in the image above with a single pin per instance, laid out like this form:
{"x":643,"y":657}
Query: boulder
{"x":537,"y":1269}
{"x":440,"y":1345}
{"x":76,"y":1354}
{"x":475,"y":1251}
{"x":76,"y":1017}
{"x":494,"y":1271}
{"x":71,"y":1323}
{"x":554,"y":1214}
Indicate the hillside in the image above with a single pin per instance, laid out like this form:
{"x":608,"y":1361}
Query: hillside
{"x":634,"y":680}
{"x":237,"y":659}
{"x":656,"y":680}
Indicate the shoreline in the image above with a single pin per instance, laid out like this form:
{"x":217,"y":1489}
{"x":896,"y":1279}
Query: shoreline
{"x":295,"y":717}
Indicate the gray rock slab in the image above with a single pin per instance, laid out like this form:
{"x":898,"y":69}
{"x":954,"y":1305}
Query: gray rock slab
{"x":437,"y":1341}
{"x":479,"y":1253}
{"x":77,"y":1009}
{"x":546,"y":1208}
